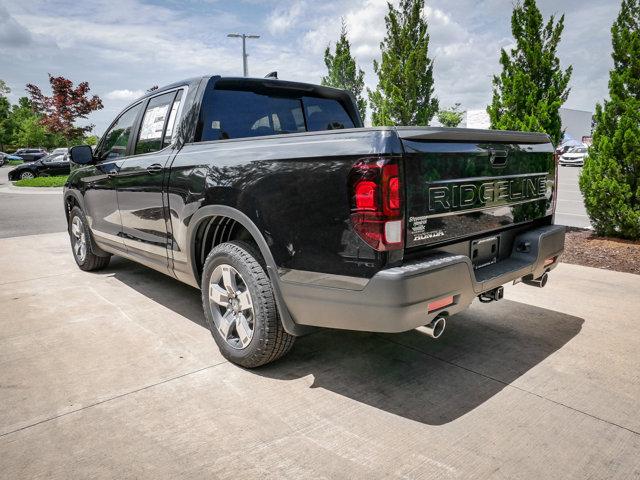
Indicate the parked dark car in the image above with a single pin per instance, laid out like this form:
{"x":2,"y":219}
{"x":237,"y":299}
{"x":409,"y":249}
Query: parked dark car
{"x":49,"y":166}
{"x":31,"y":154}
{"x":272,"y":198}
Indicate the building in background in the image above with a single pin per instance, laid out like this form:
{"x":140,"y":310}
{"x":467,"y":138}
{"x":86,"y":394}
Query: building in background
{"x":576,"y":123}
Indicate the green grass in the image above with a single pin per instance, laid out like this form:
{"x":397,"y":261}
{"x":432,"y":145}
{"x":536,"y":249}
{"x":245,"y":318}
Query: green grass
{"x":14,"y":162}
{"x":42,"y":182}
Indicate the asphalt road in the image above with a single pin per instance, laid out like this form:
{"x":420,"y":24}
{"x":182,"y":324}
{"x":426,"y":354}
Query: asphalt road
{"x":28,"y":214}
{"x":570,"y":209}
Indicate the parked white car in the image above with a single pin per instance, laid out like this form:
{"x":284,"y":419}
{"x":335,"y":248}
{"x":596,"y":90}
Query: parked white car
{"x":574,"y":157}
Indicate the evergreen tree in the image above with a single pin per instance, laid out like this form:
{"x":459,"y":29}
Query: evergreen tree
{"x":404,"y":95}
{"x":532,"y":87}
{"x":610,"y":180}
{"x":342,"y":71}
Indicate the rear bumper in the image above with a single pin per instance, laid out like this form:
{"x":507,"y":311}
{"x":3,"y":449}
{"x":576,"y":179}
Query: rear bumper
{"x":396,"y":299}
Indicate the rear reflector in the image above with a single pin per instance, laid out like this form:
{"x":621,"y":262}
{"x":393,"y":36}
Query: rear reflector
{"x":549,"y":261}
{"x":393,"y":231}
{"x":438,"y":304}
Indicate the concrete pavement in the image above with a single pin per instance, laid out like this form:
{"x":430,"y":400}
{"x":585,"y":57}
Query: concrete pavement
{"x":113,"y":375}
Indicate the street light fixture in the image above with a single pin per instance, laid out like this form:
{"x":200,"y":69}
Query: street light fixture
{"x":245,"y":55}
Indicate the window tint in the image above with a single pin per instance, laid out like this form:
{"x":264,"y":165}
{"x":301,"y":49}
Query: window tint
{"x":325,"y":114}
{"x":172,"y":120}
{"x":116,"y":139}
{"x":238,"y":114}
{"x":153,"y":122}
{"x":242,"y":113}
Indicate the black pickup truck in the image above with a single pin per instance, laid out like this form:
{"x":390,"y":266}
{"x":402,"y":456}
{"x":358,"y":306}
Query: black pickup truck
{"x":272,"y":198}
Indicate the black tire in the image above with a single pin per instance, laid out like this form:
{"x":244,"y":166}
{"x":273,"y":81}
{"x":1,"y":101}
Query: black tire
{"x":27,"y":174}
{"x":269,"y":341}
{"x":89,"y":261}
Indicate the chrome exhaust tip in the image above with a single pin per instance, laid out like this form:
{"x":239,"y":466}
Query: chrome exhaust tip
{"x":436,"y":328}
{"x":537,"y":282}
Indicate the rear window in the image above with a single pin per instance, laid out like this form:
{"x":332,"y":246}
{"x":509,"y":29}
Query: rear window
{"x":241,"y":114}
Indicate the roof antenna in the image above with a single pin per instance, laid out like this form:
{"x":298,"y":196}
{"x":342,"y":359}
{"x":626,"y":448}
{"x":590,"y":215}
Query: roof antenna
{"x":271,"y":75}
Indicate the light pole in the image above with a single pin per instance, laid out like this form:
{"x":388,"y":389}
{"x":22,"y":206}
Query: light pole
{"x":243,"y":36}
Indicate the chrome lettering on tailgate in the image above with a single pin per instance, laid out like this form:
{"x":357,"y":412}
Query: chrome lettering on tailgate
{"x":478,"y":194}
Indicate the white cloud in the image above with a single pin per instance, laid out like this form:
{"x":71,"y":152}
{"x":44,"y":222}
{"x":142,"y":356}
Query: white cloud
{"x":124,"y":94}
{"x":130,"y":45}
{"x":12,"y":34}
{"x":282,"y":20}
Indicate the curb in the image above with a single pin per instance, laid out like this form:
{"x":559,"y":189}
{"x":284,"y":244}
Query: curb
{"x":10,"y":189}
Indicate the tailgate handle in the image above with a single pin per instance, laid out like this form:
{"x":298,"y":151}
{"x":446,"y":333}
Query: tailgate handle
{"x":498,"y":158}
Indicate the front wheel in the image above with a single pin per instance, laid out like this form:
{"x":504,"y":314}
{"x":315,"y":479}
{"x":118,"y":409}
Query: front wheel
{"x":80,"y":237}
{"x":240,"y":307}
{"x":27,"y":175}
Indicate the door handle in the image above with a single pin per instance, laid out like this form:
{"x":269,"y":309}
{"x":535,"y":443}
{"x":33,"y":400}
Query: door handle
{"x":155,"y":168}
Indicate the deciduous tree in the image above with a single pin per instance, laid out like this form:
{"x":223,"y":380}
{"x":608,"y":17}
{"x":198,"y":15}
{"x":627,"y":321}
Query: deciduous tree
{"x":405,"y":91}
{"x":451,"y":117}
{"x":528,"y":93}
{"x":610,"y":179}
{"x":65,"y":106}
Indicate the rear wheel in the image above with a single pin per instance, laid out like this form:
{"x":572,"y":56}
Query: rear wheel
{"x":240,"y":307}
{"x":80,"y":237}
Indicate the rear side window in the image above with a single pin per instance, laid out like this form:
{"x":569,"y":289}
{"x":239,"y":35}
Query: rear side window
{"x":325,"y":114}
{"x":240,"y":114}
{"x":150,"y":138}
{"x":168,"y":134}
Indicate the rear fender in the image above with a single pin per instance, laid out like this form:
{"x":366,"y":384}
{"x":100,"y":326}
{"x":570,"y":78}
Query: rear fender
{"x":209,"y":211}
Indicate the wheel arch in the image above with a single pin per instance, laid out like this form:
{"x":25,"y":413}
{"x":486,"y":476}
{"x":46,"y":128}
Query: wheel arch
{"x":220,"y":213}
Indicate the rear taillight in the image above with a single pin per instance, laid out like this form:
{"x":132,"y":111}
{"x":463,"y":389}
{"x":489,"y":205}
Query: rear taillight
{"x":376,"y":205}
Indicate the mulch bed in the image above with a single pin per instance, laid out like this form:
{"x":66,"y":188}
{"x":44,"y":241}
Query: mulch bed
{"x":583,"y":247}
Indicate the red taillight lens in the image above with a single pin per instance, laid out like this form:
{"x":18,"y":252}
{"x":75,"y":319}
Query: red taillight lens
{"x":366,"y":195}
{"x":394,"y":193}
{"x":376,"y":212}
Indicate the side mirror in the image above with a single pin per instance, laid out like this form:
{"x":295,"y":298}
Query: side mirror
{"x":81,"y":154}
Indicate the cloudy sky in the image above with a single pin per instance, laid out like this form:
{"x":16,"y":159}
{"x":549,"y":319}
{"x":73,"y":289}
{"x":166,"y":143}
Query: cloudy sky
{"x":122,"y":47}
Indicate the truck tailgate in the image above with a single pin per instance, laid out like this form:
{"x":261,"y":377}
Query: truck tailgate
{"x":464,"y":183}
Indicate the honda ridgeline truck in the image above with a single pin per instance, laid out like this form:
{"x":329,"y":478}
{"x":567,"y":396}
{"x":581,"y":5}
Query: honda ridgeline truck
{"x":272,"y":198}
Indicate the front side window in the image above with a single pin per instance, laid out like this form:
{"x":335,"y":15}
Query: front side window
{"x":116,"y":139}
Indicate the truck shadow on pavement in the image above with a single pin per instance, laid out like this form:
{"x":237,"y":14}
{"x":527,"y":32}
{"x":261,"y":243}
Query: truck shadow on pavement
{"x":409,"y":374}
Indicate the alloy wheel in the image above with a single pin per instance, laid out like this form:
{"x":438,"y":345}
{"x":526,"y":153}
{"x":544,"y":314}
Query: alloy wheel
{"x":79,"y":239}
{"x":231,"y":306}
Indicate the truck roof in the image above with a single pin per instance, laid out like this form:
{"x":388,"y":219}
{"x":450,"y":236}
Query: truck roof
{"x":266,"y":83}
